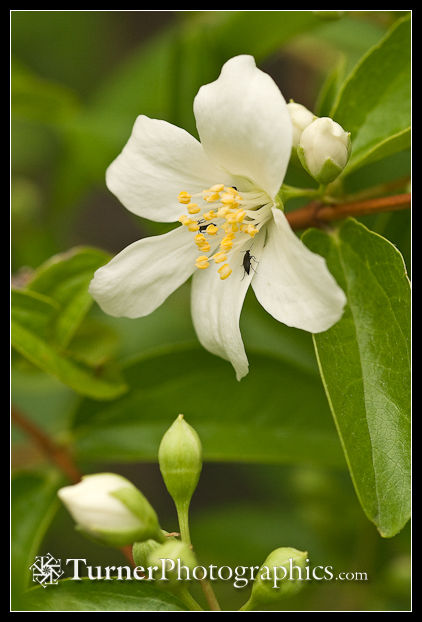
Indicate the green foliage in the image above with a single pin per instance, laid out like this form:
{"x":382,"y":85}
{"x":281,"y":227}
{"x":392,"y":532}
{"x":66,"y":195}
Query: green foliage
{"x":374,"y":101}
{"x":236,"y":421}
{"x":365,"y":366}
{"x":33,"y":504}
{"x":47,"y":313}
{"x":86,"y":595}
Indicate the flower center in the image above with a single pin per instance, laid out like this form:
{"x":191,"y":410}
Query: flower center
{"x":221,"y":220}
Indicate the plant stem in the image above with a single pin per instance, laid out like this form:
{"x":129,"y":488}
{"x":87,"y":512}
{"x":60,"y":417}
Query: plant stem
{"x":183,"y":518}
{"x":56,"y":453}
{"x":316,"y":213}
{"x":187,"y":598}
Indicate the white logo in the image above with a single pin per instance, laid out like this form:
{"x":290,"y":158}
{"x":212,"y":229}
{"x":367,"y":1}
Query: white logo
{"x":46,"y":570}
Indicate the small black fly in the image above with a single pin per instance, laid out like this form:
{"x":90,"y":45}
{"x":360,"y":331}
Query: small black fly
{"x":247,"y":262}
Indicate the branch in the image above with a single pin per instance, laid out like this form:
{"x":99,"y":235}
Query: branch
{"x":57,"y":454}
{"x":316,"y":213}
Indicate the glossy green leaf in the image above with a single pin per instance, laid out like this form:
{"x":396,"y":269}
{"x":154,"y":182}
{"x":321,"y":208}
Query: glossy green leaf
{"x":30,"y":337}
{"x":364,"y":361}
{"x":374,"y":101}
{"x":86,"y":595}
{"x":65,"y":279}
{"x":33,"y":505}
{"x":276,"y":414}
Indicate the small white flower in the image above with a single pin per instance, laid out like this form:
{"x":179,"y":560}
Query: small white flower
{"x":301,"y":117}
{"x":324,"y":149}
{"x":110,"y":508}
{"x":224,"y":192}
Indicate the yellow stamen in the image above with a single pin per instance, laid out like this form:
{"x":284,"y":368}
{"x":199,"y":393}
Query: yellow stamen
{"x":202,"y":262}
{"x":210,"y":197}
{"x":184,"y":197}
{"x":230,"y":228}
{"x":193,"y":208}
{"x":225,"y":271}
{"x":192,"y":226}
{"x":219,"y":257}
{"x":226,"y":244}
{"x":184,"y":219}
{"x":204,"y":247}
{"x":209,"y":215}
{"x":199,"y":238}
{"x":212,"y":229}
{"x":217,"y":188}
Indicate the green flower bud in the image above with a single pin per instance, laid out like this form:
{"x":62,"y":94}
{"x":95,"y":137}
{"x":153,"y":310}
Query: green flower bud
{"x":280,"y":575}
{"x":170,"y":558}
{"x":180,"y":458}
{"x":142,"y":550}
{"x":324,"y":149}
{"x":110,"y":510}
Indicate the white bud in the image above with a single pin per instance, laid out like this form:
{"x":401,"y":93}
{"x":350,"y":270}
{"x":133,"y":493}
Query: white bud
{"x":324,"y":149}
{"x":107,"y":507}
{"x":301,"y":117}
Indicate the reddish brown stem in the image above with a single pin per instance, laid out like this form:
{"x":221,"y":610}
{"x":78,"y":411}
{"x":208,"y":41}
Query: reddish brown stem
{"x":59,"y":455}
{"x":316,"y":213}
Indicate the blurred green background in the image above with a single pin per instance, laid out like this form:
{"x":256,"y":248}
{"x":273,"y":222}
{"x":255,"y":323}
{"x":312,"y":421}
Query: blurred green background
{"x":79,"y":79}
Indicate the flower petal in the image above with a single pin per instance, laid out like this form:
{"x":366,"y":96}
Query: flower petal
{"x":144,"y":274}
{"x":158,"y":161}
{"x":294,"y":284}
{"x":216,"y":307}
{"x":244,"y":124}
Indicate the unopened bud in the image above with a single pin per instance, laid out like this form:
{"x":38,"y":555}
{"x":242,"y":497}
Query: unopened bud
{"x":142,"y":550}
{"x":301,"y":117}
{"x":180,"y":458}
{"x":324,"y":149}
{"x":111,"y":510}
{"x":175,"y":561}
{"x":280,"y":575}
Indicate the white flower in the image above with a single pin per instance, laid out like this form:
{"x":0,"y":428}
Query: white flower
{"x":224,"y":191}
{"x":301,"y":117}
{"x":324,"y":149}
{"x":109,"y":508}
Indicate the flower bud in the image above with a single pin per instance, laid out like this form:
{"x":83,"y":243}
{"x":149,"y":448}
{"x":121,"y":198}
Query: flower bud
{"x":110,"y":510}
{"x":324,"y":149}
{"x":170,"y":557}
{"x":280,"y":575}
{"x":142,"y":550}
{"x":180,"y":458}
{"x":301,"y":117}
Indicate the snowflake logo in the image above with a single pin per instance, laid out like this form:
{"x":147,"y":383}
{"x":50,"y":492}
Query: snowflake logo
{"x":46,"y":570}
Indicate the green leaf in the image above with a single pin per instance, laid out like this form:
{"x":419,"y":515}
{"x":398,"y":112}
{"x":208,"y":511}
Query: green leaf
{"x":374,"y":101}
{"x":33,"y":505}
{"x":329,"y":89}
{"x":33,"y":310}
{"x":65,"y":279}
{"x":237,"y":421}
{"x":86,"y":595}
{"x":29,"y":336}
{"x":364,"y":361}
